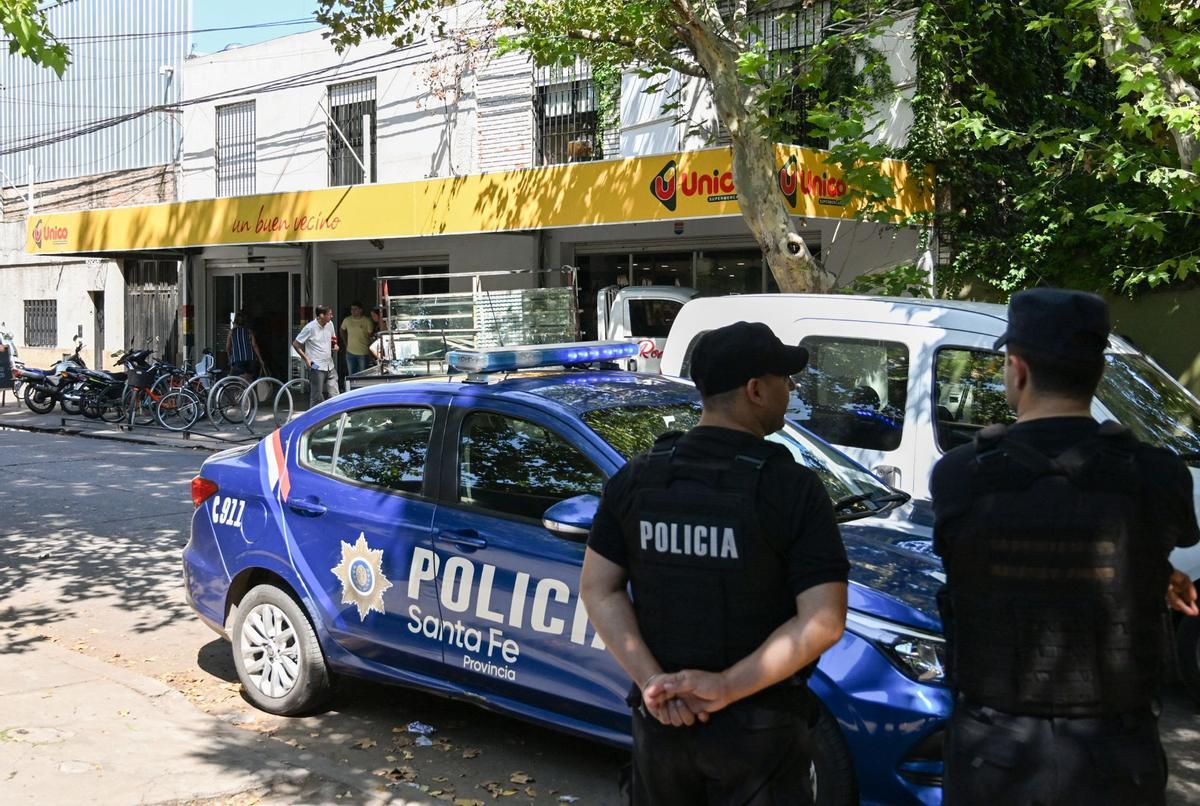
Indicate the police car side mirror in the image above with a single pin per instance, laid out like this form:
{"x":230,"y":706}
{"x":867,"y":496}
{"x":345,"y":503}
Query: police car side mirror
{"x":572,"y":517}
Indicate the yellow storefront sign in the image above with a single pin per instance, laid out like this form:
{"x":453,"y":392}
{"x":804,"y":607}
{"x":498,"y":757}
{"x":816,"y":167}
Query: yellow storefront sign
{"x":695,"y":184}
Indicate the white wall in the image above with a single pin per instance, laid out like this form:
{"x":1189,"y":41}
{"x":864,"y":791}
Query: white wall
{"x":419,"y":134}
{"x":67,"y":280}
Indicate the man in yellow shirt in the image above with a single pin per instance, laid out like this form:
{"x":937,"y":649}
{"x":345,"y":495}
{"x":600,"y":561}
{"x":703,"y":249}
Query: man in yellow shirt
{"x":356,"y":335}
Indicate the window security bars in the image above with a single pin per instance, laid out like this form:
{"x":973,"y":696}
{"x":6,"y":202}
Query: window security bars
{"x":351,"y":111}
{"x":574,"y":120}
{"x":789,"y":29}
{"x":236,"y":163}
{"x":41,"y":322}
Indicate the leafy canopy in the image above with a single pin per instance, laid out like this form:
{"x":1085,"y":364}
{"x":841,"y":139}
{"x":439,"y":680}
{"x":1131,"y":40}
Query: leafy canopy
{"x":24,"y":25}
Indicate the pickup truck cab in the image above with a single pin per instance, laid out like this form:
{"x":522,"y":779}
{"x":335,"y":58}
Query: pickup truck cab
{"x":896,"y":382}
{"x":642,"y":314}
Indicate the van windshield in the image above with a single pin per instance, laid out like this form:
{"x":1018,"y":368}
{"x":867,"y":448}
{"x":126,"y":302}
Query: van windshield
{"x":1150,"y":403}
{"x":632,"y":430}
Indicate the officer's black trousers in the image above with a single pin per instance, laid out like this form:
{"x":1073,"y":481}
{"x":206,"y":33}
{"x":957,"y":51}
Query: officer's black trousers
{"x":994,"y":757}
{"x":745,"y":755}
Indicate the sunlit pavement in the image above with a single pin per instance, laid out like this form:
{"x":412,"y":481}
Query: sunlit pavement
{"x":90,"y":539}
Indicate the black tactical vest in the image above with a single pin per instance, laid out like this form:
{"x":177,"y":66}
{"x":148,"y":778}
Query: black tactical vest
{"x":708,"y":585}
{"x":1055,"y":592}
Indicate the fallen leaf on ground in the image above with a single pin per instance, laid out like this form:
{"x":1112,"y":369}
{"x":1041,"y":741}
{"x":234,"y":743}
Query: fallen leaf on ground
{"x":521,"y":778}
{"x":467,"y":802}
{"x":470,"y":752}
{"x":365,"y":744}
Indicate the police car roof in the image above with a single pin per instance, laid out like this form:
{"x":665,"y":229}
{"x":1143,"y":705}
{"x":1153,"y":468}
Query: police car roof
{"x":577,"y":391}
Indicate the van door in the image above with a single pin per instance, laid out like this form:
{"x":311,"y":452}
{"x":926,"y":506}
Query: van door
{"x":869,"y":390}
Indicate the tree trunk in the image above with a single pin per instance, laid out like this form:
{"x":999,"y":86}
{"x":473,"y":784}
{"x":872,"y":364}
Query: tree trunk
{"x":1118,"y":23}
{"x":754,"y":168}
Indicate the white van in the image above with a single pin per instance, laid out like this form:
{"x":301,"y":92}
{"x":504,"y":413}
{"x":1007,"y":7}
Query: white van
{"x":896,"y":382}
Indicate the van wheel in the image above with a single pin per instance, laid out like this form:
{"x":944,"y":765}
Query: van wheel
{"x":277,"y":655}
{"x":1187,"y":642}
{"x":832,"y":772}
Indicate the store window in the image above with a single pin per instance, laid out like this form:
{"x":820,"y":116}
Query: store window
{"x":853,"y":392}
{"x":236,"y":164}
{"x":729,"y":272}
{"x":351,"y":133}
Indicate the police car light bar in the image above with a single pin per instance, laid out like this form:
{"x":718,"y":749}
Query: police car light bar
{"x":503,"y":359}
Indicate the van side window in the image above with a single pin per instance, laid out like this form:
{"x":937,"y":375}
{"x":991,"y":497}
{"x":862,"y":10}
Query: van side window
{"x":685,"y":366}
{"x":853,"y":392}
{"x":968,"y":394}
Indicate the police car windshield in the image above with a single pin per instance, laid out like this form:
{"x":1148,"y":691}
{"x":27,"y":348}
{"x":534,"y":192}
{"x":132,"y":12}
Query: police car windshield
{"x":632,"y":430}
{"x":1151,"y":404}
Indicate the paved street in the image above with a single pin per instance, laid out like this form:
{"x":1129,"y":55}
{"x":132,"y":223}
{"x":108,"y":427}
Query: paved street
{"x":113,"y":692}
{"x":90,"y":537}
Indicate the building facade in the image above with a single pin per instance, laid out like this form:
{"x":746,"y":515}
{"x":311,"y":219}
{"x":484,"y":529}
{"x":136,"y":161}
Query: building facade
{"x":307,"y":174}
{"x":103,"y":136}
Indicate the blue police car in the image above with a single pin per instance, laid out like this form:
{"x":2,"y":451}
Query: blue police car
{"x":430,"y":533}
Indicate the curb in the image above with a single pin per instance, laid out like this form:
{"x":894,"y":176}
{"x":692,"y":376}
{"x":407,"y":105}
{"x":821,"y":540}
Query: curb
{"x":132,"y":440}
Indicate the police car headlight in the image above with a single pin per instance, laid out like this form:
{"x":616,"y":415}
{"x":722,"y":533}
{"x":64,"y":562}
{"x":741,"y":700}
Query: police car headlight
{"x":920,"y":655}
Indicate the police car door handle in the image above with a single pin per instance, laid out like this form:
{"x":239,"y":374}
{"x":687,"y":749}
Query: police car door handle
{"x":463,"y":537}
{"x":309,"y":507}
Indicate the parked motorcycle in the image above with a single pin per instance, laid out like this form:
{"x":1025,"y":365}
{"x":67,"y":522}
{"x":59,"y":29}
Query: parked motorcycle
{"x":45,"y":387}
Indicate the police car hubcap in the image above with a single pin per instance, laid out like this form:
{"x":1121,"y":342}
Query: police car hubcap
{"x":270,"y":654}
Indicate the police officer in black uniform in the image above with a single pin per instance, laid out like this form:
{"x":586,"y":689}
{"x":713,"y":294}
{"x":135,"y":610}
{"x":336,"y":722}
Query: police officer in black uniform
{"x":738,"y":582}
{"x":1055,"y":533}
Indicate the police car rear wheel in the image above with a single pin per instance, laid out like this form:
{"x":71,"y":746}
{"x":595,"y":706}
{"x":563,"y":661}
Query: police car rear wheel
{"x":278,"y":658}
{"x":1187,"y":638}
{"x":832,"y":773}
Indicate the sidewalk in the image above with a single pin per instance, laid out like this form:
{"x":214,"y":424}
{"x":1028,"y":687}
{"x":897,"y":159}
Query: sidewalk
{"x":15,"y":415}
{"x":76,"y":730}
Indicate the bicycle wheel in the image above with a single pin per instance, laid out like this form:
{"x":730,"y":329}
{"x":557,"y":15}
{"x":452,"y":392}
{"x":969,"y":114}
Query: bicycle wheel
{"x":178,"y":410}
{"x":138,"y":405}
{"x":225,"y":401}
{"x":291,"y":399}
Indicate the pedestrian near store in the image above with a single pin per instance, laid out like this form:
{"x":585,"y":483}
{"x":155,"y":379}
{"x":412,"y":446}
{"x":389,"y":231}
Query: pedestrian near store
{"x":356,"y":337}
{"x":315,"y":346}
{"x":716,"y":576}
{"x":1055,"y":533}
{"x":241,"y":346}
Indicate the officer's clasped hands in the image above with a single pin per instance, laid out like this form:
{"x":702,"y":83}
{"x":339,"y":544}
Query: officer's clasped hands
{"x":690,"y":695}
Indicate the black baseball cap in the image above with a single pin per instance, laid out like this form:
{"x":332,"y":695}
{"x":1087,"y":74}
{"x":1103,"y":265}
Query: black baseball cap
{"x":1071,"y":325}
{"x":729,"y":356}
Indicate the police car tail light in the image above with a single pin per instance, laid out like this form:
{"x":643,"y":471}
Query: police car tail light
{"x":919,"y":655}
{"x":202,"y":490}
{"x":504,"y":359}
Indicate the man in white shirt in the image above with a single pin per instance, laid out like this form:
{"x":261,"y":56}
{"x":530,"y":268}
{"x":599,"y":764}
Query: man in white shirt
{"x":314,"y":344}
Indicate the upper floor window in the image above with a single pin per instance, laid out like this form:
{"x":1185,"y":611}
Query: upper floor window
{"x":352,"y":132}
{"x":575,"y":115}
{"x":236,"y":165}
{"x":789,"y":31}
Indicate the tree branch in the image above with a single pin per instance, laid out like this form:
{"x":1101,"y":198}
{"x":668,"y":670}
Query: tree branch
{"x":1117,"y":21}
{"x":669,"y":58}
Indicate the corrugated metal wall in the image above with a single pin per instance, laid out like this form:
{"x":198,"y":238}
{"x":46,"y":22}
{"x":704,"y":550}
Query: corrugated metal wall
{"x":121,"y":50}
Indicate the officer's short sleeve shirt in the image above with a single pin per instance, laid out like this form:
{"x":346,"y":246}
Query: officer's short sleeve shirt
{"x":793,"y":509}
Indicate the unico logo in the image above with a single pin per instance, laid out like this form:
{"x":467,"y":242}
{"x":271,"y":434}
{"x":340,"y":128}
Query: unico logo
{"x":48,"y":233}
{"x":788,"y":176}
{"x":37,"y":233}
{"x":663,"y":185}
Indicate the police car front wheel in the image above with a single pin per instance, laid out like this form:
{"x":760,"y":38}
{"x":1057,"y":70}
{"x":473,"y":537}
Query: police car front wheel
{"x":276,"y":652}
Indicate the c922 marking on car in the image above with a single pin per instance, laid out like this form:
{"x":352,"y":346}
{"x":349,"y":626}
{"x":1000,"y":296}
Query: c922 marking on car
{"x":227,"y":511}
